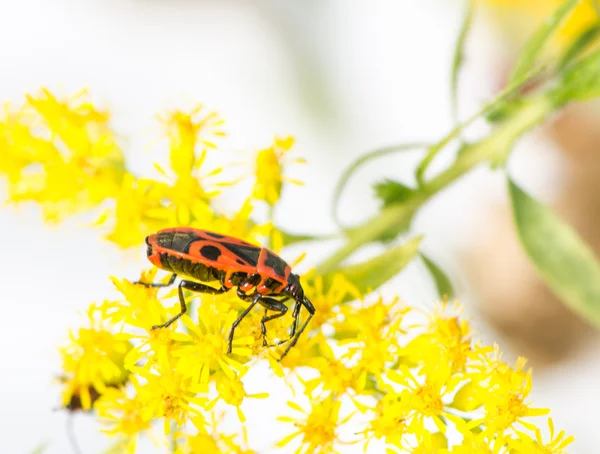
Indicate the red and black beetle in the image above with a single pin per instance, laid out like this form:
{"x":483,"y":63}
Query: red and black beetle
{"x":209,"y":257}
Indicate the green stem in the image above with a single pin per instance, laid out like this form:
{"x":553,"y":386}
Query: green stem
{"x":494,"y":148}
{"x":497,"y":145}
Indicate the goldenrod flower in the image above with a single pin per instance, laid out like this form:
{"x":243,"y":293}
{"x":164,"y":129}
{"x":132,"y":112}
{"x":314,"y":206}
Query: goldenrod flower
{"x":167,"y":394}
{"x":336,"y":377}
{"x":527,"y":445}
{"x":445,"y":348}
{"x":422,"y":399}
{"x":78,"y":161}
{"x":93,"y":361}
{"x":503,"y":393}
{"x":318,"y":429}
{"x":139,"y":211}
{"x":122,"y":415}
{"x":269,"y":168}
{"x":190,"y":135}
{"x":389,"y":421}
{"x":231,"y":390}
{"x":212,"y":439}
{"x":328,"y":302}
{"x":204,"y":350}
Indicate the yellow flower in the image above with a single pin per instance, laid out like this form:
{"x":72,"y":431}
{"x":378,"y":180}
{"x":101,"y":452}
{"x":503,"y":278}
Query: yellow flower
{"x":79,"y":162}
{"x":122,"y":415}
{"x":189,"y":133}
{"x":503,"y":391}
{"x":423,"y":400}
{"x":167,"y":394}
{"x":427,"y":443}
{"x":139,"y":211}
{"x":389,"y":421}
{"x":328,"y":301}
{"x":337,"y":377}
{"x":204,"y":350}
{"x":445,"y":348}
{"x":317,"y":428}
{"x":93,"y":361}
{"x":212,"y":439}
{"x":140,"y":307}
{"x":232,"y":391}
{"x":526,"y":444}
{"x":269,"y":168}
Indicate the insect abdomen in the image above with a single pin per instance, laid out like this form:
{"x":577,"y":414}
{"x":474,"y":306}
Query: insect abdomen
{"x":195,"y":270}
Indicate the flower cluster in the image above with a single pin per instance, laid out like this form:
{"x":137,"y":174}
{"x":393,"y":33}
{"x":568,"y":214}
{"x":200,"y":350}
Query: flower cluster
{"x":368,"y":370}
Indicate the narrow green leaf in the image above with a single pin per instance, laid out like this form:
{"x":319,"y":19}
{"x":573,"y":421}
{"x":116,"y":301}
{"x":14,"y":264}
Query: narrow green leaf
{"x":291,"y":238}
{"x":579,"y":46}
{"x":458,"y":59}
{"x":370,"y":275}
{"x":536,"y":44}
{"x":391,"y":192}
{"x":358,"y":163}
{"x":580,"y":82}
{"x":442,"y":282}
{"x":562,"y":259}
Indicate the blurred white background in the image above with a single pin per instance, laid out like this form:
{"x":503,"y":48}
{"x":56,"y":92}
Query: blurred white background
{"x":342,"y":77}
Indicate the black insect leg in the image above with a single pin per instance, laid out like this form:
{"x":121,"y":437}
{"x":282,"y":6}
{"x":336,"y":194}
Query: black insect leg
{"x":255,"y":299}
{"x":273,"y":305}
{"x":158,"y":284}
{"x":311,"y":310}
{"x":194,"y":287}
{"x":295,"y":316}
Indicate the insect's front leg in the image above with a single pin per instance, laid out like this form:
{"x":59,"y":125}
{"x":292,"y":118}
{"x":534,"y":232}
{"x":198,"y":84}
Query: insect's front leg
{"x":158,"y":284}
{"x":311,"y":311}
{"x":194,"y":287}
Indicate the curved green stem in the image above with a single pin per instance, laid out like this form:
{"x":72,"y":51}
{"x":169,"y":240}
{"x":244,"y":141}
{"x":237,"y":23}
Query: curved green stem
{"x":359,"y":162}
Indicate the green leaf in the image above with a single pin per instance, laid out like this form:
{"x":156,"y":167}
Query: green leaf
{"x":457,"y":61}
{"x":536,"y":44}
{"x":358,"y":163}
{"x":580,"y":82}
{"x":442,"y":282}
{"x":370,"y":275}
{"x":562,"y":259}
{"x":579,"y":46}
{"x":391,"y":192}
{"x":291,"y":238}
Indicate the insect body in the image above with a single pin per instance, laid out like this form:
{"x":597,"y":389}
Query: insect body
{"x":260,"y":275}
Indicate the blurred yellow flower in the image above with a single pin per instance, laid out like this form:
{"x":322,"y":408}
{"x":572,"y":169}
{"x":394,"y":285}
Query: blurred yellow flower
{"x":527,"y":445}
{"x":60,"y":153}
{"x":269,"y":170}
{"x":92,"y":362}
{"x":122,"y":416}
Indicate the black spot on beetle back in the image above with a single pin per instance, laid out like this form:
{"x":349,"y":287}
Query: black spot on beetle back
{"x":248,"y":253}
{"x":210,"y":252}
{"x":276,"y":263}
{"x":181,"y":241}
